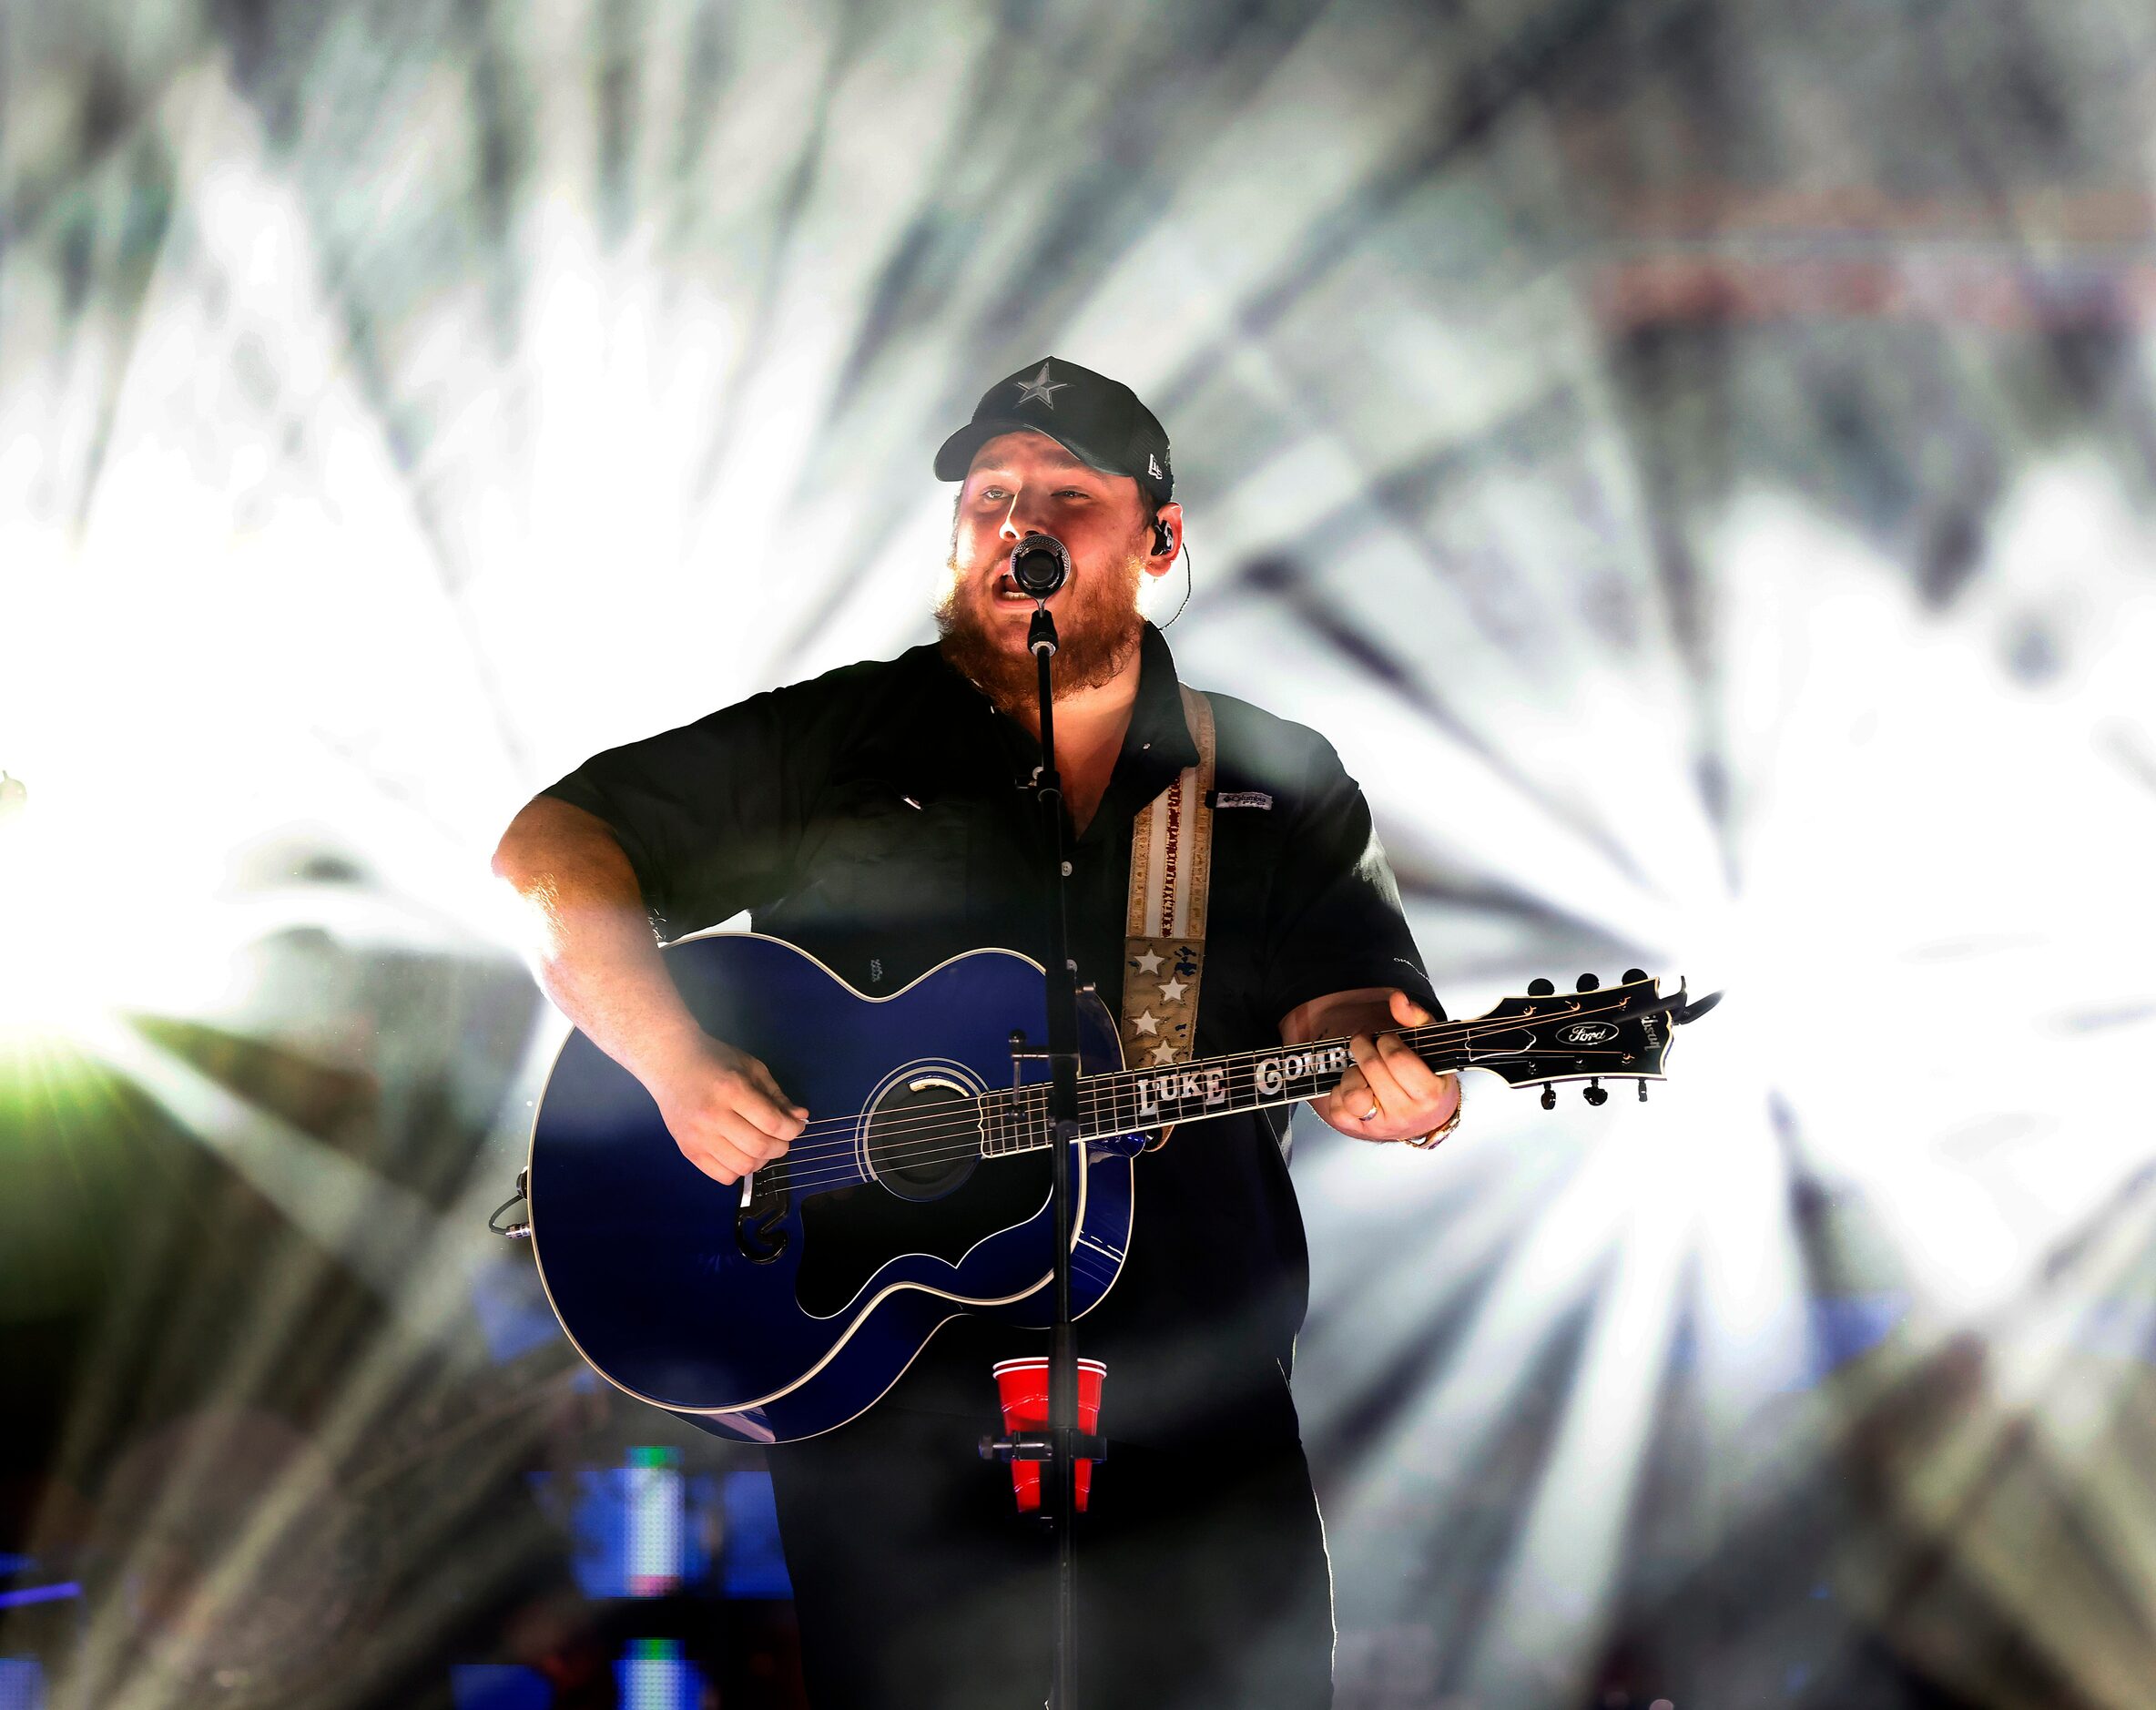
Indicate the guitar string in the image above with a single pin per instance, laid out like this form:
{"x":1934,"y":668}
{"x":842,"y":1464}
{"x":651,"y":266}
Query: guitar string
{"x":962,"y":1142}
{"x":829,"y":1124}
{"x":1431,"y":1035}
{"x":957,"y":1136}
{"x":967,"y":1122}
{"x":1102,"y":1108}
{"x":1436,"y":1035}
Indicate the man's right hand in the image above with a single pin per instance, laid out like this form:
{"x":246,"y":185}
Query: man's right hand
{"x":723,"y":1108}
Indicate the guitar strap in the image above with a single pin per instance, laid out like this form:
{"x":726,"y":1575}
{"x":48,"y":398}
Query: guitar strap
{"x":1163,"y":948}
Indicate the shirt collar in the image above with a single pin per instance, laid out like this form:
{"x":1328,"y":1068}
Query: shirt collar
{"x":1157,"y":725}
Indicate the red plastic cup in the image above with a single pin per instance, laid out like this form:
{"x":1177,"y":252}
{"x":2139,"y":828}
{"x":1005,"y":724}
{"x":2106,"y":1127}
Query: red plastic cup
{"x":1022,"y":1385}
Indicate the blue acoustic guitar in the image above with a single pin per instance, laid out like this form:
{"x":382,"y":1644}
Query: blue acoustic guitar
{"x":786,"y":1304}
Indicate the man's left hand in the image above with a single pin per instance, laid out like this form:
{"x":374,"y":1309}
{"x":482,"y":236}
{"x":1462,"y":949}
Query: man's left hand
{"x":1390,"y":1094}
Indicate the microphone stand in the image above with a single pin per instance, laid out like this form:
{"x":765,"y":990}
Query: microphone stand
{"x":1062,"y":1469}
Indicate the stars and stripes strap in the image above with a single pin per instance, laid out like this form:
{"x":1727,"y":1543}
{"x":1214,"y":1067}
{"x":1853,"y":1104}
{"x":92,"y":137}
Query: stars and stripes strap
{"x":1164,"y":930}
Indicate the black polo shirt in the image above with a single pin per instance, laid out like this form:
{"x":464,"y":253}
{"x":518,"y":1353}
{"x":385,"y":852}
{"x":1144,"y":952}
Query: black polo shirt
{"x":877,"y":817}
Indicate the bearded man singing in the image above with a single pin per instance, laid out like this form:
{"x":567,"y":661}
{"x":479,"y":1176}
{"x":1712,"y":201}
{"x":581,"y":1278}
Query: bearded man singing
{"x":879,"y":818}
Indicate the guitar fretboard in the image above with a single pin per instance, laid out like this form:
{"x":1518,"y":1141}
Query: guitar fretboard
{"x":1131,"y":1100}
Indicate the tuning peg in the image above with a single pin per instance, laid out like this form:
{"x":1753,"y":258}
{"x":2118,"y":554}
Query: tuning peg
{"x":1588,"y":982}
{"x":1642,"y":1086}
{"x":1549,"y":1096}
{"x":1595,"y":1094}
{"x":1539,"y":988}
{"x":1632,"y":976}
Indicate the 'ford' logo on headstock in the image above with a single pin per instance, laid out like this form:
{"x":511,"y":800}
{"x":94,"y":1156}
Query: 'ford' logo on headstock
{"x":1588,"y":1033}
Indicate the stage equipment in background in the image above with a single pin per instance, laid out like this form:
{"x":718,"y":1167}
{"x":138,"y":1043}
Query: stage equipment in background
{"x":243,"y":1627}
{"x":251,"y":1566}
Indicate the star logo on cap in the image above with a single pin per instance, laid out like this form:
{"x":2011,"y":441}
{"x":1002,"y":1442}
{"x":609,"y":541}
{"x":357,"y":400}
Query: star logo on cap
{"x":1038,"y":387}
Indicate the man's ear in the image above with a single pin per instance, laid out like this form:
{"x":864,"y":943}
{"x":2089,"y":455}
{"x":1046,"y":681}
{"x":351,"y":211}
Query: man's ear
{"x":1164,"y":540}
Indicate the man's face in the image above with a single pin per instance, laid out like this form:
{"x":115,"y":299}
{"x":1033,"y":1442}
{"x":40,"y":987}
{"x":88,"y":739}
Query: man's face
{"x":1022,"y":484}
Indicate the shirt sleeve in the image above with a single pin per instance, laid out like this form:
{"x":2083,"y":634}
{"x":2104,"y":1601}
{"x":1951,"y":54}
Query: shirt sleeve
{"x":705,"y":813}
{"x":1338,"y":923}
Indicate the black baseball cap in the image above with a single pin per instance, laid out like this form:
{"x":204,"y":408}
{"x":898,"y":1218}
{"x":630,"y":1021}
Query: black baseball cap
{"x":1097,"y":420}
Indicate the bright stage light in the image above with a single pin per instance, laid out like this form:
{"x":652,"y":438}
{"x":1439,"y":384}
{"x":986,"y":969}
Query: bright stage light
{"x":47,"y":984}
{"x":85,"y":933}
{"x":1934,"y":863}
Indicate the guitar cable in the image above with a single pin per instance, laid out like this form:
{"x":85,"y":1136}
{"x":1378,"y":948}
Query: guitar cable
{"x":518,"y":1231}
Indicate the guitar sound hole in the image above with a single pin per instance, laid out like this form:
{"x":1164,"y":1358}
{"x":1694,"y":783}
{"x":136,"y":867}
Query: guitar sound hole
{"x":923,"y":1140}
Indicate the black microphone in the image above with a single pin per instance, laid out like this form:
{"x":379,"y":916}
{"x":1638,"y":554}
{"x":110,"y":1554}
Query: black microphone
{"x":1039,"y":564}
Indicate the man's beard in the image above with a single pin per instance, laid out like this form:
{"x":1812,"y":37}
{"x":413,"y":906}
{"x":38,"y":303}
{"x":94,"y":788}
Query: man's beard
{"x":1097,"y":628}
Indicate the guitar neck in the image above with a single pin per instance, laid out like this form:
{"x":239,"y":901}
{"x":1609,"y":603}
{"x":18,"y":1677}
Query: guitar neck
{"x":1133,"y":1100}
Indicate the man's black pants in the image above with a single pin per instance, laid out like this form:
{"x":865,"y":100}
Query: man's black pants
{"x":1202,"y":1579}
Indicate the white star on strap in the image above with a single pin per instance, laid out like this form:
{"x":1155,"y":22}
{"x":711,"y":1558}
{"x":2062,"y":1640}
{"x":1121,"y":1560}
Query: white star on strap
{"x":1164,"y":1053}
{"x":1146,"y":1024}
{"x":1038,"y":387}
{"x":1147,"y":963}
{"x":1173,"y":990}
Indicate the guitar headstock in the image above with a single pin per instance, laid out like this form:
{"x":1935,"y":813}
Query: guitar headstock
{"x":1594,"y":1034}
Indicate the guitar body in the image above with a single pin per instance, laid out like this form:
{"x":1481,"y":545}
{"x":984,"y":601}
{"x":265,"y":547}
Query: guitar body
{"x":784,"y":1313}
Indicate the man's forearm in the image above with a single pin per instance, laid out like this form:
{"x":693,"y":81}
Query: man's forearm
{"x":590,"y":945}
{"x":587,"y":937}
